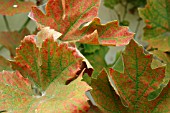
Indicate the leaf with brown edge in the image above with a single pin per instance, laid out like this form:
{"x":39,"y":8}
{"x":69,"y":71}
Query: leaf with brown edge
{"x":18,"y":97}
{"x":138,"y":79}
{"x":109,"y":34}
{"x":66,"y":16}
{"x":43,"y":65}
{"x":4,"y":64}
{"x":157,"y":23}
{"x":11,"y":40}
{"x":104,"y":95}
{"x":12,"y":7}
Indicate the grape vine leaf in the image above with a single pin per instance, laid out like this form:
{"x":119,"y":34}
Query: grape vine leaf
{"x":138,"y":79}
{"x":44,"y":65}
{"x":165,"y":57}
{"x":109,"y":34}
{"x":97,"y":60}
{"x":17,"y":96}
{"x":104,"y":95}
{"x":11,"y":40}
{"x":4,"y":64}
{"x":107,"y":100}
{"x":66,"y":16}
{"x":111,"y":3}
{"x":12,"y":7}
{"x":157,"y":23}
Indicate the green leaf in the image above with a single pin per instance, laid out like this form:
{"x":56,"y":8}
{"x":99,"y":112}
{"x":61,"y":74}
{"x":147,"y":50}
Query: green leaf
{"x":18,"y":97}
{"x":111,"y":3}
{"x":90,"y":48}
{"x":109,"y":34}
{"x":157,"y":23}
{"x":12,"y":7}
{"x":50,"y":62}
{"x":165,"y":57}
{"x":97,"y":60}
{"x":66,"y":16}
{"x":11,"y":40}
{"x":138,"y":79}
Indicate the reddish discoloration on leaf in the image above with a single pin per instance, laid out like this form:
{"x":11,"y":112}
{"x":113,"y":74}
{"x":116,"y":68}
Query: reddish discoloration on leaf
{"x":104,"y":34}
{"x":67,"y":19}
{"x":15,"y":90}
{"x":12,"y":7}
{"x":51,"y":61}
{"x":11,"y":40}
{"x":104,"y":96}
{"x":157,"y":23}
{"x":17,"y":96}
{"x":137,"y":69}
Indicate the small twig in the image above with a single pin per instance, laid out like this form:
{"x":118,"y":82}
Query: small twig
{"x":6,"y":23}
{"x":25,"y":24}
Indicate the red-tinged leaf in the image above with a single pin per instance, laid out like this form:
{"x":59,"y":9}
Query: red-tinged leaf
{"x":104,"y":96}
{"x":162,"y":103}
{"x":4,"y":64}
{"x":44,"y":65}
{"x":66,"y":16}
{"x":65,"y":98}
{"x":110,"y":34}
{"x":157,"y":23}
{"x":11,"y":40}
{"x":12,"y":7}
{"x":138,"y":79}
{"x":17,"y":96}
{"x":15,"y":92}
{"x":108,"y":101}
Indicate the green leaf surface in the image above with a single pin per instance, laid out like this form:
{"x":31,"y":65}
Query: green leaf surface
{"x":157,"y":23}
{"x":109,"y":34}
{"x":50,"y":62}
{"x":18,"y":97}
{"x":111,"y":3}
{"x":11,"y":40}
{"x":138,"y":79}
{"x":66,"y":16}
{"x":12,"y":7}
{"x":165,"y":57}
{"x":90,"y":48}
{"x":97,"y":60}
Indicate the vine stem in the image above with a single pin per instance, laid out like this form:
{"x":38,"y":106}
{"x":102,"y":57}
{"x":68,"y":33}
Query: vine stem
{"x":25,"y":24}
{"x":137,"y":26}
{"x":118,"y":15}
{"x":125,"y":11}
{"x":6,"y":23}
